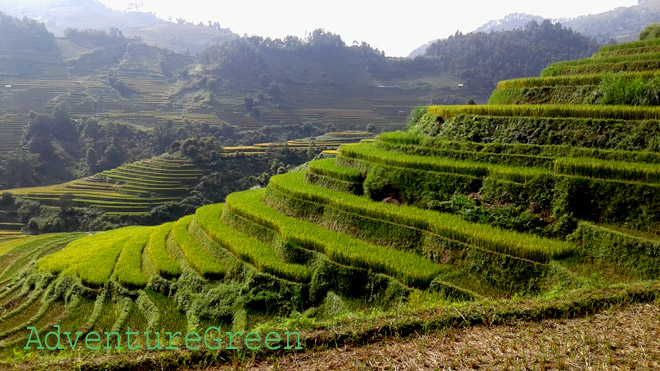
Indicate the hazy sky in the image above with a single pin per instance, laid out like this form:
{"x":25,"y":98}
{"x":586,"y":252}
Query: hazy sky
{"x":397,"y":30}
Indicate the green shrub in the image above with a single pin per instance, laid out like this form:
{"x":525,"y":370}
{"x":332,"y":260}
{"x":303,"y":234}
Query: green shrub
{"x":651,"y":32}
{"x":415,"y":116}
{"x":641,"y":91}
{"x":635,"y":254}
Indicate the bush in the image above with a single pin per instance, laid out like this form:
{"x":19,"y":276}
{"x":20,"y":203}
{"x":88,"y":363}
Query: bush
{"x":614,"y":89}
{"x":651,"y":32}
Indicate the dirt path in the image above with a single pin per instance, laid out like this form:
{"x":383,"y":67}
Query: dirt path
{"x":619,"y":339}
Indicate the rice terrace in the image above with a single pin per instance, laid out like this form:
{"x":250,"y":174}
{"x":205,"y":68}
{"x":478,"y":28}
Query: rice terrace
{"x":213,"y":209}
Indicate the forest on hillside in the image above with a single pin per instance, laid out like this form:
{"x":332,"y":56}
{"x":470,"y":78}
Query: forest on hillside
{"x":482,"y":59}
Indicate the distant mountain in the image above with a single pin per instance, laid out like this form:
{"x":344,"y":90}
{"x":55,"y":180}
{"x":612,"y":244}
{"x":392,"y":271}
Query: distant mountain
{"x":422,"y":49}
{"x":622,"y":24}
{"x":512,"y":21}
{"x":58,"y":15}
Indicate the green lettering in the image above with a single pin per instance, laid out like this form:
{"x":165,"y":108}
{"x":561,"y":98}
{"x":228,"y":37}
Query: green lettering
{"x":197,"y":339}
{"x":128,"y":339}
{"x":88,"y":340}
{"x":172,"y":335}
{"x":288,"y":334}
{"x":157,"y":346}
{"x":68,"y":336}
{"x":231,"y":338}
{"x":248,"y":340}
{"x":57,"y":335}
{"x":107,"y":340}
{"x":206,"y":333}
{"x":275,"y":339}
{"x":33,"y":330}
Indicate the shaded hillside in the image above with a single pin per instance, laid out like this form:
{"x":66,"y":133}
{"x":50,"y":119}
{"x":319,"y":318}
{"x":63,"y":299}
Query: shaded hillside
{"x":621,"y":25}
{"x":27,"y":49}
{"x":318,"y":79}
{"x":59,"y":15}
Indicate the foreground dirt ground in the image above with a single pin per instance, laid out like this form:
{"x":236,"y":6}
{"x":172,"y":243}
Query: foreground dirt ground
{"x":625,"y":338}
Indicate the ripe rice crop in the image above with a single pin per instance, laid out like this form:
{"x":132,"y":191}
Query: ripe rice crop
{"x":570,"y":80}
{"x":591,"y":68}
{"x":7,"y":246}
{"x":197,"y":257}
{"x":550,"y":110}
{"x":630,"y":51}
{"x":609,"y":59}
{"x":520,"y":245}
{"x":408,"y":267}
{"x":607,"y":169}
{"x":631,"y":45}
{"x":128,"y":270}
{"x":164,"y":264}
{"x":399,"y":138}
{"x":367,"y":152}
{"x":246,"y":248}
{"x":327,"y":167}
{"x":91,"y":258}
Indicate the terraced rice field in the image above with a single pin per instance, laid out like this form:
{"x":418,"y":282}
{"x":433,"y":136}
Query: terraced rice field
{"x":369,"y":244}
{"x":576,"y":82}
{"x":133,"y":188}
{"x":11,"y":131}
{"x":298,"y":238}
{"x":331,"y":141}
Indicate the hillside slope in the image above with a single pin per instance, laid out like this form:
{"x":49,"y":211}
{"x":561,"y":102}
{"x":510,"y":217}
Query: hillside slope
{"x":477,"y":215}
{"x":620,"y":25}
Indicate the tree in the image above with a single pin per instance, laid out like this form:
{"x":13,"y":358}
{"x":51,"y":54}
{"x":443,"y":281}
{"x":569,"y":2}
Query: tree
{"x":650,"y":32}
{"x":311,"y":151}
{"x":248,"y":102}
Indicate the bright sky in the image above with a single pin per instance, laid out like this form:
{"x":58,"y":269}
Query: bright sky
{"x":397,"y":30}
